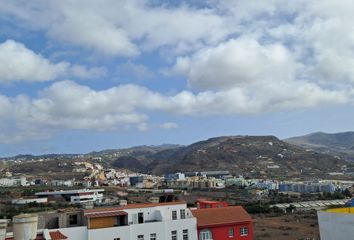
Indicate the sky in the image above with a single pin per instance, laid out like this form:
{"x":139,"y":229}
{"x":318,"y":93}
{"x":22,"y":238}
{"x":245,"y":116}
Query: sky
{"x":84,"y":75}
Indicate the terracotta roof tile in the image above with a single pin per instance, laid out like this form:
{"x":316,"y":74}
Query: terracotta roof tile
{"x":221,"y":216}
{"x":57,"y":235}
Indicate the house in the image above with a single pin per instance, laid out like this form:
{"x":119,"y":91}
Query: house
{"x":336,"y":223}
{"x":171,"y":220}
{"x":226,"y":223}
{"x":210,"y":204}
{"x":143,"y":221}
{"x":79,"y":196}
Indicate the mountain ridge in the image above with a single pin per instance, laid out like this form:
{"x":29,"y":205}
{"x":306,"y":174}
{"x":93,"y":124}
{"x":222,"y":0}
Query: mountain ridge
{"x":337,"y":144}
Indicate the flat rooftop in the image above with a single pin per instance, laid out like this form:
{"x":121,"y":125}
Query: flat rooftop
{"x":346,"y":210}
{"x":69,"y":192}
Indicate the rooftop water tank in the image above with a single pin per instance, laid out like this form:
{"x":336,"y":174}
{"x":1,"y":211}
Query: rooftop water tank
{"x":25,"y":226}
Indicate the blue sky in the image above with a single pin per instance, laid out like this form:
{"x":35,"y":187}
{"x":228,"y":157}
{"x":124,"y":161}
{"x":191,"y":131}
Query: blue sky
{"x":78,"y":76}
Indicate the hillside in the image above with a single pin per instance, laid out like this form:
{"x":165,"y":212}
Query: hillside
{"x":336,"y":144}
{"x":248,"y":155}
{"x":254,"y":156}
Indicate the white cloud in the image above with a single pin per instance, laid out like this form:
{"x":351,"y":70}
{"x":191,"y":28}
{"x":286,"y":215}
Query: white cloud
{"x":115,"y":28}
{"x":18,"y":63}
{"x":237,"y":63}
{"x":169,"y":125}
{"x":67,"y":105}
{"x":238,"y":57}
{"x":249,"y":77}
{"x":139,"y":71}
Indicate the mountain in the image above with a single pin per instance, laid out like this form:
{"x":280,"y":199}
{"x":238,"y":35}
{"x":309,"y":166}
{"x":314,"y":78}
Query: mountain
{"x":129,"y":162}
{"x":247,"y":155}
{"x":336,"y":144}
{"x":254,"y":156}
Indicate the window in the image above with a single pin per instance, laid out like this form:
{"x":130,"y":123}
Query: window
{"x":72,"y":219}
{"x":153,"y":236}
{"x":185,"y":234}
{"x":174,"y":215}
{"x":140,"y":217}
{"x":231,"y":232}
{"x":173,"y":235}
{"x":205,"y":235}
{"x":244,"y":231}
{"x":140,"y":237}
{"x":183,"y":213}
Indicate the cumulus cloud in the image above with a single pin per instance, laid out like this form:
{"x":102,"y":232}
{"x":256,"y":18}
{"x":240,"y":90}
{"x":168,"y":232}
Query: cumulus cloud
{"x":114,"y":28}
{"x":67,"y":105}
{"x":18,"y":63}
{"x":169,"y":125}
{"x":139,"y":71}
{"x":237,"y":57}
{"x":250,"y":77}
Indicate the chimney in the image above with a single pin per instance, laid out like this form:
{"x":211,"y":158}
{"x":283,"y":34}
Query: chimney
{"x":25,"y":226}
{"x":3,"y":224}
{"x":123,"y":202}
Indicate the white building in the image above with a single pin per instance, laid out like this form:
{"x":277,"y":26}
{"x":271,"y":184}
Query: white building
{"x":75,"y":196}
{"x":6,"y":182}
{"x":146,"y":221}
{"x":22,"y":201}
{"x":336,"y":223}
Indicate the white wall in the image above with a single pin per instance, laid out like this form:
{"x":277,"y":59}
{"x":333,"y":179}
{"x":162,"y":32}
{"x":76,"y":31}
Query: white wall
{"x":162,"y":230}
{"x":77,"y":233}
{"x":336,"y":226}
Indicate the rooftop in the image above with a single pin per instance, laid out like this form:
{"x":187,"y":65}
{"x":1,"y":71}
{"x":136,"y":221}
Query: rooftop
{"x":221,"y":216}
{"x":57,"y":235}
{"x":347,"y":210}
{"x":70,"y":192}
{"x":130,"y":206}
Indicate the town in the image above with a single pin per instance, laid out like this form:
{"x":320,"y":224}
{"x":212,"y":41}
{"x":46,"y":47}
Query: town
{"x":118,"y":203}
{"x":176,"y":120}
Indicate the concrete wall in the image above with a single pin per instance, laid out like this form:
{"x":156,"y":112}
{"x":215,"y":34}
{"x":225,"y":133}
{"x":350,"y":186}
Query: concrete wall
{"x":159,"y":213}
{"x":77,"y":233}
{"x":52,"y":220}
{"x":338,"y":226}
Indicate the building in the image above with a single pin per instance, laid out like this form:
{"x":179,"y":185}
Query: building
{"x":143,"y":221}
{"x":310,"y":205}
{"x":336,"y":223}
{"x":307,"y":187}
{"x":210,"y":204}
{"x":227,"y":223}
{"x":22,"y":201}
{"x":146,"y":221}
{"x":80,"y":196}
{"x":136,"y":180}
{"x":62,"y":218}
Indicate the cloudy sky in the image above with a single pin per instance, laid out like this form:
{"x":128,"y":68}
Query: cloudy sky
{"x":77,"y":76}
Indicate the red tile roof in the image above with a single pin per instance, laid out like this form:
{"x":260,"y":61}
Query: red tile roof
{"x":57,"y":235}
{"x":131,"y":206}
{"x":208,"y":217}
